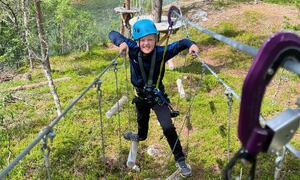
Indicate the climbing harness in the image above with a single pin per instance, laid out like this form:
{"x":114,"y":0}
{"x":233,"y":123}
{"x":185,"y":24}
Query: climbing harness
{"x":152,"y":93}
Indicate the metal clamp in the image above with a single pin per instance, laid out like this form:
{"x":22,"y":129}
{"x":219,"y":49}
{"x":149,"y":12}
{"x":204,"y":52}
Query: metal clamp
{"x":284,"y":127}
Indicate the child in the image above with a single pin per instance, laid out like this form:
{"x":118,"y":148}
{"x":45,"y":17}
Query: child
{"x":146,"y":77}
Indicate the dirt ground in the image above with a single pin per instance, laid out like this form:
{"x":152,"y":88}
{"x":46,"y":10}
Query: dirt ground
{"x":274,"y":13}
{"x":271,"y":17}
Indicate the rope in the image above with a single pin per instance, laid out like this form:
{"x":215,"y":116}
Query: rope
{"x":127,"y":91}
{"x":290,"y":62}
{"x":229,"y":103}
{"x":46,"y":152}
{"x":277,"y":88}
{"x":46,"y":130}
{"x":188,"y":124}
{"x":99,"y":94}
{"x":163,"y":58}
{"x":186,"y":121}
{"x":191,"y":100}
{"x":228,"y":88}
{"x":245,"y":48}
{"x":119,"y":119}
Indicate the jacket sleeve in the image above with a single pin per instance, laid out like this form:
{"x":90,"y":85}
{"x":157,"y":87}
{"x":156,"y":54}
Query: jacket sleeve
{"x":176,"y":47}
{"x":118,"y":38}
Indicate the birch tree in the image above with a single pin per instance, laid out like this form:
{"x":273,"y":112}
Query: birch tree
{"x":157,"y":10}
{"x":45,"y":55}
{"x":25,"y":7}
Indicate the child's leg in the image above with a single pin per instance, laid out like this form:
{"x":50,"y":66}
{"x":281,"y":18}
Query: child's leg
{"x":143,"y":115}
{"x":164,"y":118}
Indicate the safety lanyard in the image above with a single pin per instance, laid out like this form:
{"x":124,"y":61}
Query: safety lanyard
{"x":148,"y":81}
{"x":164,"y":55}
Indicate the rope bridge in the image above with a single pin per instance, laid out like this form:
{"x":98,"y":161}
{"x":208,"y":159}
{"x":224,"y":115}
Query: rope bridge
{"x":290,"y":62}
{"x":48,"y":130}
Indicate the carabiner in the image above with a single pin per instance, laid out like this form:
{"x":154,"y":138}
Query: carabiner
{"x":241,"y":155}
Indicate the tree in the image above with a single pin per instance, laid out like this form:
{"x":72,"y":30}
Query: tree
{"x":11,"y":51}
{"x":25,"y":6}
{"x":44,"y":54}
{"x":157,"y":10}
{"x":10,"y":13}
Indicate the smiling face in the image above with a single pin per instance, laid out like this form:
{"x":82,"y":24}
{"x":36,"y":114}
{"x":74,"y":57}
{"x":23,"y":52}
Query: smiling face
{"x":147,"y":43}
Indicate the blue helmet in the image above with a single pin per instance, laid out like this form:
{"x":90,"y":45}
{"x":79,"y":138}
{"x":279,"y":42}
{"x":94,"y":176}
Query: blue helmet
{"x":142,"y":28}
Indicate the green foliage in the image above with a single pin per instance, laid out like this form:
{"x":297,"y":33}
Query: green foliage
{"x":225,"y":3}
{"x":251,"y":17}
{"x":68,"y":29}
{"x":11,"y":46}
{"x":282,"y":1}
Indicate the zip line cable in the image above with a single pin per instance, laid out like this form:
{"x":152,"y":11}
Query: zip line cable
{"x":290,"y":62}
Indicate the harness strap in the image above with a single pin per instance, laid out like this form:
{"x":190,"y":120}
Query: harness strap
{"x":148,"y":81}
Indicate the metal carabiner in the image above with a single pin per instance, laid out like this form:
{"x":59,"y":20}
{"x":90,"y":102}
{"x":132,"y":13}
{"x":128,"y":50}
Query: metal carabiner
{"x":244,"y":156}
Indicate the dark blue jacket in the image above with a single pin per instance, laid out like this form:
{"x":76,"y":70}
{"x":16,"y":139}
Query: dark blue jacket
{"x":136,"y":75}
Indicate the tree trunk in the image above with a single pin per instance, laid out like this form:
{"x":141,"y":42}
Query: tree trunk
{"x":25,"y":6}
{"x":45,"y":56}
{"x":87,"y":47}
{"x":127,"y":4}
{"x":157,"y":10}
{"x":62,"y":41}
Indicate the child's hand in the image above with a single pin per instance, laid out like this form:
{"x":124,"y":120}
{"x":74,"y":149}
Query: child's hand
{"x":194,"y":50}
{"x":123,"y":48}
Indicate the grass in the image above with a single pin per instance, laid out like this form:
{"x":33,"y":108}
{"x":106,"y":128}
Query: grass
{"x":76,"y":152}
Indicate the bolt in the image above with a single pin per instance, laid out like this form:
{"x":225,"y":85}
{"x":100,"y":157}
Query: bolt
{"x":270,"y":71}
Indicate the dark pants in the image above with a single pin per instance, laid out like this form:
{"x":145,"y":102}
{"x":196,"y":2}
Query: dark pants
{"x":164,"y":118}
